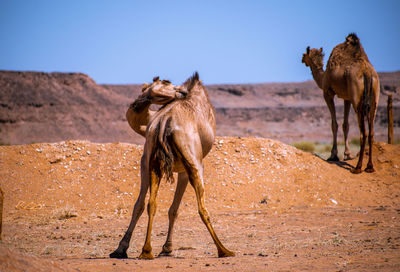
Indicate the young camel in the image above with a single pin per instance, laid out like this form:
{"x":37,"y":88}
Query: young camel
{"x":178,"y":136}
{"x":351,"y":77}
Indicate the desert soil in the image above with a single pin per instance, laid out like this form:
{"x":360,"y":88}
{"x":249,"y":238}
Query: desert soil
{"x":67,"y":205}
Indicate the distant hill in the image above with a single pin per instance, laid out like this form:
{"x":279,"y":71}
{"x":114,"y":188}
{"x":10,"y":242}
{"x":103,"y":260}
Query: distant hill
{"x":50,"y":107}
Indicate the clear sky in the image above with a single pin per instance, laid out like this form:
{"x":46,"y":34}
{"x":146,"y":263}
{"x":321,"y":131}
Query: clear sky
{"x":230,"y":41}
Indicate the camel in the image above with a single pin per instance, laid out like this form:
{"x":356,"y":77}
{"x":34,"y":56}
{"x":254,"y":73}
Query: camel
{"x":178,"y":136}
{"x":351,"y":77}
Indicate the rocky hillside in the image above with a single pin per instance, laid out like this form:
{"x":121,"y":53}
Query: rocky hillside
{"x":42,"y":107}
{"x":49,"y":107}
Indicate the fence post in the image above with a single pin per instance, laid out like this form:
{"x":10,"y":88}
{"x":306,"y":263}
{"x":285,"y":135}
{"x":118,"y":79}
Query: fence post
{"x":390,"y":119}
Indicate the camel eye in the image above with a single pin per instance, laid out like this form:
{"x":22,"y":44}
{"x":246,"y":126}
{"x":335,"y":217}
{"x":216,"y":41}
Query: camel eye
{"x":166,"y":81}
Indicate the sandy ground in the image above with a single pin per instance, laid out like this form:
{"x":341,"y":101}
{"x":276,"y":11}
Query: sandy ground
{"x":67,"y":205}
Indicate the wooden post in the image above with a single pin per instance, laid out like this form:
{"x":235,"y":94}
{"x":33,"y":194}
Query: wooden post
{"x":390,"y":119}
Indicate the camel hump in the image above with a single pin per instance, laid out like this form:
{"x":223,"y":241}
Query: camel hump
{"x":347,"y":53}
{"x":191,"y":81}
{"x":354,"y":47}
{"x":353,"y":39}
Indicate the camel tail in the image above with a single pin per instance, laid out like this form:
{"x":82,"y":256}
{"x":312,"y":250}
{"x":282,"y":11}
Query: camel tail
{"x":367,"y":96}
{"x":162,"y":158}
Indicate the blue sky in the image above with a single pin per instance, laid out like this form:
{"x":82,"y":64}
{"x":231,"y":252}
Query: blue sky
{"x":232,"y":41}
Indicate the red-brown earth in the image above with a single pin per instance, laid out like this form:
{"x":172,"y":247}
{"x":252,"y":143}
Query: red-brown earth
{"x":67,"y":204}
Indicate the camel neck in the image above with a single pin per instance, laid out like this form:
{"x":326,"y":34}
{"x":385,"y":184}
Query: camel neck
{"x":318,"y":73}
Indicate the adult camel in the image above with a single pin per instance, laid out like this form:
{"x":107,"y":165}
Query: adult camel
{"x":351,"y":77}
{"x":178,"y":136}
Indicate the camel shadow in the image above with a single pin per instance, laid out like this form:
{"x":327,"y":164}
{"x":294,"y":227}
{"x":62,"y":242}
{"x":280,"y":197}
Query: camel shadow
{"x":159,"y":256}
{"x":341,"y":164}
{"x":108,"y":258}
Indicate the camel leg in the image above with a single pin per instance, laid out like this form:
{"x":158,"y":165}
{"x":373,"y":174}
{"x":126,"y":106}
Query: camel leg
{"x":173,"y":211}
{"x":370,"y":166}
{"x":190,"y":151}
{"x":120,"y":252}
{"x":197,"y":183}
{"x":331,"y":105}
{"x":195,"y":171}
{"x":363,"y":138}
{"x":151,"y":209}
{"x":347,"y":154}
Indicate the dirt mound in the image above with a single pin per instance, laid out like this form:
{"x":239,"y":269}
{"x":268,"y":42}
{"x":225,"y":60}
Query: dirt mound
{"x":251,"y":170}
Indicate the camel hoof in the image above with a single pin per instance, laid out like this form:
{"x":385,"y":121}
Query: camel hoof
{"x":356,"y":170}
{"x":119,"y":255}
{"x":166,"y":251}
{"x":146,"y":256}
{"x":347,"y":158}
{"x":227,"y":253}
{"x":333,"y":159}
{"x":369,"y":170}
{"x":165,"y":254}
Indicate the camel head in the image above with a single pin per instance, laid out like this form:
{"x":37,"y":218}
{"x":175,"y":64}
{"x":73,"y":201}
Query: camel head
{"x":162,"y":91}
{"x":313,"y":56}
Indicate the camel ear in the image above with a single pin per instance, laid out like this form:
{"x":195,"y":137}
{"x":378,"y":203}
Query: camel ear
{"x":320,"y":50}
{"x":308,"y":50}
{"x":156,"y":79}
{"x":145,"y":86}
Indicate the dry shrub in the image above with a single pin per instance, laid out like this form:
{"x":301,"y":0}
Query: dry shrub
{"x":355,"y":141}
{"x":66,"y":212}
{"x":326,"y":147}
{"x":121,"y":209}
{"x":305,"y":146}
